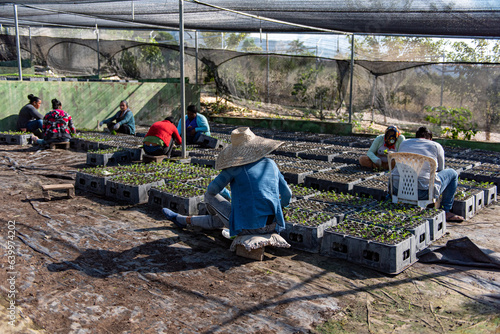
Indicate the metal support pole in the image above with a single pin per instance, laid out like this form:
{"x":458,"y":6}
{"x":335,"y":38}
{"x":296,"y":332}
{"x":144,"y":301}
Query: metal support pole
{"x":267,"y":72}
{"x":98,"y":58}
{"x":31,"y":50}
{"x":442,"y":81}
{"x":18,"y":45}
{"x":352,"y":77}
{"x":183,"y":83}
{"x":196,"y":53}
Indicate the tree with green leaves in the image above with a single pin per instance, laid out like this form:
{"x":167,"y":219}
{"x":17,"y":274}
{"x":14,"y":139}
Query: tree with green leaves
{"x":476,"y":86}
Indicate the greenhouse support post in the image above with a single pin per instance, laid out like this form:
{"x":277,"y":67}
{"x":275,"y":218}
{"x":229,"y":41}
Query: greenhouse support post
{"x":98,"y":61}
{"x":183,"y":83}
{"x":196,"y":54}
{"x":352,"y":77}
{"x":267,"y":72}
{"x":18,"y":45}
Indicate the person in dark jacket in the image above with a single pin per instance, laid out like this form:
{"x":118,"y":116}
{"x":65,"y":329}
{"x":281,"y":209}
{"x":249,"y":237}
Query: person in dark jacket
{"x":123,"y":121}
{"x":29,"y":118}
{"x":57,"y":126}
{"x":160,"y":138}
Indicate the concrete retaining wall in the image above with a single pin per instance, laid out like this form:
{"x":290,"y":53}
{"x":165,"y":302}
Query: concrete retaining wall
{"x":90,"y":102}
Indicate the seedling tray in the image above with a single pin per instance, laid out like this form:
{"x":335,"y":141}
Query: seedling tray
{"x":179,"y":204}
{"x":306,"y":234}
{"x":135,"y":154}
{"x":299,"y":192}
{"x":203,"y":161}
{"x":375,"y":188}
{"x":330,"y":182}
{"x":294,"y":175}
{"x":12,"y":139}
{"x":134,"y":194}
{"x":91,"y":183}
{"x":108,"y":159}
{"x":389,"y":259}
{"x":322,"y":155}
{"x":464,"y":208}
{"x":211,"y":142}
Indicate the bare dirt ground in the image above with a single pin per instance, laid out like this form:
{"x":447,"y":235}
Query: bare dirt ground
{"x":90,"y":265}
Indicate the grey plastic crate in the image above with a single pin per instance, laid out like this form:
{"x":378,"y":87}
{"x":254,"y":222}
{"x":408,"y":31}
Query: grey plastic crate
{"x":135,"y":154}
{"x":91,"y":183}
{"x":203,"y":161}
{"x":312,"y":181}
{"x":465,"y":208}
{"x":371,"y":188}
{"x":422,"y":235}
{"x":18,"y":139}
{"x":490,"y":195}
{"x":108,"y":159}
{"x":294,"y":175}
{"x":322,"y":155}
{"x":306,"y":238}
{"x":211,"y":142}
{"x":134,"y":194}
{"x":478,"y":200}
{"x":182,"y":205}
{"x":389,"y":259}
{"x":4,"y":138}
{"x":155,"y":198}
{"x":437,"y":226}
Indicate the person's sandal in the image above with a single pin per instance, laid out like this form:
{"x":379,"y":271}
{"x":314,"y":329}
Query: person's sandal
{"x":451,"y":217}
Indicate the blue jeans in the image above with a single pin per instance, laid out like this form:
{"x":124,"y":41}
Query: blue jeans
{"x":449,"y":182}
{"x":31,"y":126}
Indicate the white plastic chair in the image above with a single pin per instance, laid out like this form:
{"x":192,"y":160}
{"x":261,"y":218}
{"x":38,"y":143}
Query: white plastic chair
{"x":409,"y":166}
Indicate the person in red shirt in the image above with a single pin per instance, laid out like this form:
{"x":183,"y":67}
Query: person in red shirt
{"x":160,"y":138}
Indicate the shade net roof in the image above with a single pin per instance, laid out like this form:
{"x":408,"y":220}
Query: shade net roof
{"x":473,"y":18}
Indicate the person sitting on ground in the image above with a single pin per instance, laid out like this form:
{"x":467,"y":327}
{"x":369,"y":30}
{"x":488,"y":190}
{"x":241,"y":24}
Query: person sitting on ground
{"x":196,"y":124}
{"x":446,"y":180}
{"x":57,"y":126}
{"x":258,"y":189}
{"x":29,"y":118}
{"x":160,"y":138}
{"x":123,"y":121}
{"x":381,"y":146}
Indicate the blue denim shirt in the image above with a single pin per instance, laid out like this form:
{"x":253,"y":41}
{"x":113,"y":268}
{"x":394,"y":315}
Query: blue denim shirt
{"x":258,"y":190}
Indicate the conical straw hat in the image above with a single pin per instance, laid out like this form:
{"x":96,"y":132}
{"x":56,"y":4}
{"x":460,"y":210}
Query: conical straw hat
{"x":245,"y":148}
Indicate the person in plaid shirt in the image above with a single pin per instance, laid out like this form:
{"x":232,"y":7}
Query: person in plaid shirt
{"x":57,"y":125}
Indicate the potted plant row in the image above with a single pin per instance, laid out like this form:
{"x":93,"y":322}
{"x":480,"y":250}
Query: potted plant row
{"x":435,"y":217}
{"x":387,"y":250}
{"x":108,"y":156}
{"x":390,"y":220}
{"x":182,"y":198}
{"x":132,"y":188}
{"x":14,"y":137}
{"x":304,"y":228}
{"x":489,"y":189}
{"x":467,"y":202}
{"x":94,"y":179}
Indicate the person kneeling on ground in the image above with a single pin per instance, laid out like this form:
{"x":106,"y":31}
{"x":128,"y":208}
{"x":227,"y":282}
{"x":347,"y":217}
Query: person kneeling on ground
{"x":123,"y":121}
{"x":57,"y":126}
{"x":446,"y":180}
{"x":29,"y":118}
{"x":381,"y":146}
{"x":196,"y":125}
{"x":258,"y":189}
{"x":160,"y":138}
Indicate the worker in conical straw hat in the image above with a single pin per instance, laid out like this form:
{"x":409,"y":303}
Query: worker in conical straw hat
{"x":258,"y":190}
